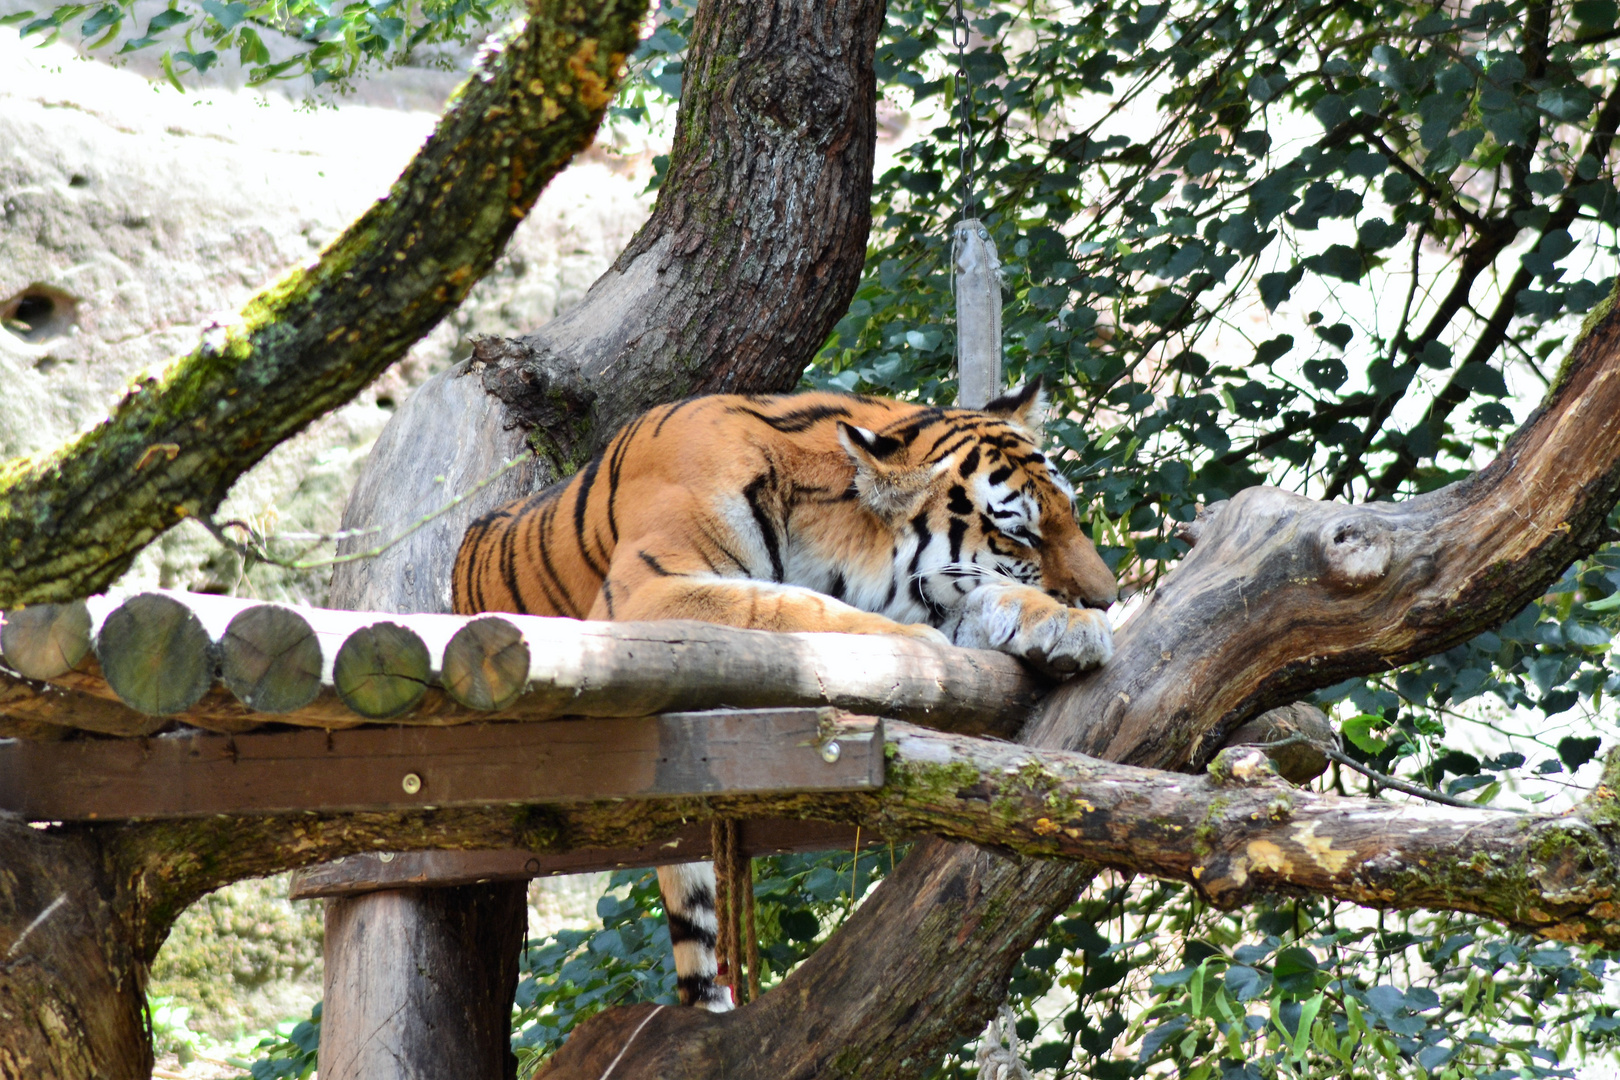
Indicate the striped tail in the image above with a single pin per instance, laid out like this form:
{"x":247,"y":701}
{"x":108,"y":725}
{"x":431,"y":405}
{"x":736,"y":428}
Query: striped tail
{"x":688,"y":891}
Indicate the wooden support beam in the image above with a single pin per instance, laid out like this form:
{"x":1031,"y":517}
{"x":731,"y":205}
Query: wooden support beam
{"x":156,"y":654}
{"x":406,"y":869}
{"x":391,"y":768}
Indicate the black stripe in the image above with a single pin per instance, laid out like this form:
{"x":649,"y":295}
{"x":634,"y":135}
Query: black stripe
{"x":621,"y":446}
{"x":836,"y":588}
{"x":694,"y":988}
{"x":683,"y":929}
{"x":607,"y":596}
{"x":507,"y":562}
{"x":909,"y":431}
{"x":547,"y":517}
{"x":919,"y":525}
{"x":958,"y":530}
{"x":969,"y":463}
{"x":653,"y":565}
{"x":969,"y":432}
{"x":795,"y":420}
{"x":999,"y":475}
{"x":939,"y":454}
{"x":727,"y":552}
{"x":959,"y":502}
{"x":670,"y":415}
{"x":767,"y":530}
{"x":587,"y":480}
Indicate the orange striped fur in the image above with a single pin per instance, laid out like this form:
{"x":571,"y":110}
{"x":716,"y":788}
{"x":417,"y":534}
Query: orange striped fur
{"x":811,"y":512}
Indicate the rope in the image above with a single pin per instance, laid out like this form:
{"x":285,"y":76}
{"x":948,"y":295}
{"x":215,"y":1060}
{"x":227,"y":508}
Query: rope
{"x":998,"y":1050}
{"x":734,"y":911}
{"x":725,"y":944}
{"x":744,"y":890}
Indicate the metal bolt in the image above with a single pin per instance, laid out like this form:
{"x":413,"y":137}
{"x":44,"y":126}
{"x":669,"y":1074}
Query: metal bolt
{"x":412,"y":783}
{"x":830,"y":752}
{"x":984,"y":234}
{"x":387,"y":856}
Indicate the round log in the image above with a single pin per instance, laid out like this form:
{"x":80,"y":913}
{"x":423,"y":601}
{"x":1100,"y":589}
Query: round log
{"x":486,"y":664}
{"x":419,"y":983}
{"x":155,"y":655}
{"x":43,"y":641}
{"x":271,"y":660}
{"x":382,"y":670}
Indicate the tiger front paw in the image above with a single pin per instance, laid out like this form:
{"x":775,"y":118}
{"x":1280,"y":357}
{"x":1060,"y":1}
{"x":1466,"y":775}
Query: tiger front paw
{"x":1023,"y":621}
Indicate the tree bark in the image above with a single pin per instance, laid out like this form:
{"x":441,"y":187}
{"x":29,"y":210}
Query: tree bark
{"x":72,"y":521}
{"x":72,"y":975}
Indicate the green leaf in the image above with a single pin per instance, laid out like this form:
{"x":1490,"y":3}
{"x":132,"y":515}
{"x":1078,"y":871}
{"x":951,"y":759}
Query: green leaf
{"x":163,"y":20}
{"x":1575,"y":751}
{"x":1358,"y":729}
{"x":228,"y":15}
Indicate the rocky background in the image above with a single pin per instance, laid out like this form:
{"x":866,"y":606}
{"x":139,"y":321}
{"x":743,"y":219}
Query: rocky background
{"x":133,"y":216}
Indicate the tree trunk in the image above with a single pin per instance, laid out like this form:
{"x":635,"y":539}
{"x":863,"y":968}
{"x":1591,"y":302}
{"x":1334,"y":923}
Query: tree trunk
{"x":72,"y":977}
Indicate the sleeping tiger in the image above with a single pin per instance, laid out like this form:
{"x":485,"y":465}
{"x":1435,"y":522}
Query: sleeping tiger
{"x":810,"y":512}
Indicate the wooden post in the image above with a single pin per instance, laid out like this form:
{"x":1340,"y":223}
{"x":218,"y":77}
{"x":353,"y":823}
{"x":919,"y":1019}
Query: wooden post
{"x":976,"y":271}
{"x":419,"y":983}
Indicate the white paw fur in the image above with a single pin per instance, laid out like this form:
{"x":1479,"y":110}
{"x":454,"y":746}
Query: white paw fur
{"x":1027,"y":623}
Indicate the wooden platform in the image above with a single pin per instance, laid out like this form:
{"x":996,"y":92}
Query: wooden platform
{"x":394,"y":767}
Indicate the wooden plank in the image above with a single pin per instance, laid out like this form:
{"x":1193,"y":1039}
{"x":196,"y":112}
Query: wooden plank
{"x":391,"y":768}
{"x":386,"y":870}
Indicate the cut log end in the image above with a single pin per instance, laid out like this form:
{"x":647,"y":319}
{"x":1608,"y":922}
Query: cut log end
{"x":271,"y":660}
{"x":155,"y":655}
{"x":382,"y":670}
{"x":486,"y":664}
{"x":44,"y":641}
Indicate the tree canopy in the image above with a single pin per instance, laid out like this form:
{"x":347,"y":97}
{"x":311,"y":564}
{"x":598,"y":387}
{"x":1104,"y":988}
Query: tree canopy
{"x":1337,"y":247}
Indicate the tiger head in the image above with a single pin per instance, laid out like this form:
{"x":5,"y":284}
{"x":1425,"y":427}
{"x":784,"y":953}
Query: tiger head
{"x":972,"y":500}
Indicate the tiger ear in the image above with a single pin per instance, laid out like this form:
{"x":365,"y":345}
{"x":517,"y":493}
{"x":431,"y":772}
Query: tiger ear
{"x":1025,"y":406}
{"x":889,"y":485}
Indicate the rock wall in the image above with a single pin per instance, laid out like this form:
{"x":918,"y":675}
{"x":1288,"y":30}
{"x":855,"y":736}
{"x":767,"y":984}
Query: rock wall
{"x":134,"y":216}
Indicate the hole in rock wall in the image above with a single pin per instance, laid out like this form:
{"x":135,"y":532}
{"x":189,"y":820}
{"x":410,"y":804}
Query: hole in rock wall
{"x":39,"y":313}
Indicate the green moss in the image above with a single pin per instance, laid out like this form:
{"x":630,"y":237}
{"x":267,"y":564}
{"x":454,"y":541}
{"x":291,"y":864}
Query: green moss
{"x":1206,"y":832}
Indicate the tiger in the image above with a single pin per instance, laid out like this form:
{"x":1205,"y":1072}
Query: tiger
{"x":818,"y":511}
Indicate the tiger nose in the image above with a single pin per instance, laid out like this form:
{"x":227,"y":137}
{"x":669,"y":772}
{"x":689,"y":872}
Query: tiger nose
{"x":1084,"y":580}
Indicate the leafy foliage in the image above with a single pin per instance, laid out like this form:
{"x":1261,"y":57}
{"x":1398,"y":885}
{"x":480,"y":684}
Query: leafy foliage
{"x":1146,"y":980}
{"x":573,"y":974}
{"x":1412,"y":196}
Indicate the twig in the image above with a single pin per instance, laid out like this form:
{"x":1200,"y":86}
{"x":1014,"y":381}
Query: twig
{"x":257,"y":551}
{"x":1383,"y":780}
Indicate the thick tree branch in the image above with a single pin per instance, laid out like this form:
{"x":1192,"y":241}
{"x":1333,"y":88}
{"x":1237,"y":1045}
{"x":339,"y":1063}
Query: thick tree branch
{"x":72,"y":520}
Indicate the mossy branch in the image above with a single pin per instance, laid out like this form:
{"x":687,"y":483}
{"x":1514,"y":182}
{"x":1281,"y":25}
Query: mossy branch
{"x":72,"y":520}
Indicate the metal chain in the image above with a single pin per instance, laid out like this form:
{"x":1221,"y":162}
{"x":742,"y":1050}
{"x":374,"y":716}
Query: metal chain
{"x":964,"y":85}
